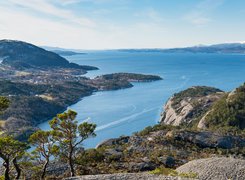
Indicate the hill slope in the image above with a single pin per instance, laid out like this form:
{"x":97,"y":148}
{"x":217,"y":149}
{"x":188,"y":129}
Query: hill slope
{"x":20,"y":54}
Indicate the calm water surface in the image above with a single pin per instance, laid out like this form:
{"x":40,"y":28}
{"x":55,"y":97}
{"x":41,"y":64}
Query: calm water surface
{"x":123,"y":112}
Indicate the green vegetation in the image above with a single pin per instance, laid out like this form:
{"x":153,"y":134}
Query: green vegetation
{"x":4,"y":103}
{"x":69,"y":135}
{"x":172,"y":172}
{"x":164,"y":171}
{"x":156,"y":127}
{"x":197,"y":91}
{"x":228,"y":114}
{"x":45,"y":143}
{"x":130,"y":77}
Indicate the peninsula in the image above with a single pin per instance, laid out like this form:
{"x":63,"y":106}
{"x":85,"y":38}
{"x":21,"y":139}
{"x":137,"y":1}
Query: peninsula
{"x":41,"y":83}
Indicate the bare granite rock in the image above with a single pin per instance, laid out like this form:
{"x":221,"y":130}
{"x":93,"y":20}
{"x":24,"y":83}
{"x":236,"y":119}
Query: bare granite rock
{"x":170,"y":116}
{"x":125,"y":176}
{"x":216,"y":168}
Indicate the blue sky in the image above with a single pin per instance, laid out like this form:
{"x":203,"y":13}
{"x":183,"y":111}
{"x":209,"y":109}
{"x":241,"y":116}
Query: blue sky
{"x":112,"y":24}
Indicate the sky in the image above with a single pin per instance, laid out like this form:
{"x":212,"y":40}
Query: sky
{"x":115,"y":24}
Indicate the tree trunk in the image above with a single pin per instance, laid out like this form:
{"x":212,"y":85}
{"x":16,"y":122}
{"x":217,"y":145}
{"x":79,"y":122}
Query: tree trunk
{"x":71,"y":167}
{"x":44,"y":169}
{"x":17,"y":168}
{"x":71,"y":164}
{"x":7,"y":170}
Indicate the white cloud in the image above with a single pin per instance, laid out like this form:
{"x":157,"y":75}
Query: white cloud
{"x":21,"y":26}
{"x":46,"y":7}
{"x":51,"y":23}
{"x":28,"y":24}
{"x":201,"y":14}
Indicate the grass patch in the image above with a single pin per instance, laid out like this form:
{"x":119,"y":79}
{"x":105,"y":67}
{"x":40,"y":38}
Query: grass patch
{"x":172,"y":172}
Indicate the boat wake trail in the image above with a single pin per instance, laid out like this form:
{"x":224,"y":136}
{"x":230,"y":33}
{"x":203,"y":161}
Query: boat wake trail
{"x":124,"y":119}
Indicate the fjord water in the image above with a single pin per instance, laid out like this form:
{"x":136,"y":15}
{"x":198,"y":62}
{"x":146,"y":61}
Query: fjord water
{"x":125,"y":111}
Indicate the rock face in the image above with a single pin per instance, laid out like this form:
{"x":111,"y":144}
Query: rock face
{"x":170,"y":116}
{"x":216,"y":168}
{"x":187,"y":105}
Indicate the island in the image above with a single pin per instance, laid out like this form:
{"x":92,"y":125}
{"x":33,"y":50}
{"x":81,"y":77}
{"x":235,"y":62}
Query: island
{"x":67,"y":53}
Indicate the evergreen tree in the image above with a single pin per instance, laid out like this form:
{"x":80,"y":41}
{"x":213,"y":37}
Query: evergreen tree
{"x":10,"y":151}
{"x":45,"y":148}
{"x":70,"y":135}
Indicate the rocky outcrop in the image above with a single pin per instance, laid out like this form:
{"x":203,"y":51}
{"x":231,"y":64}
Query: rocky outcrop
{"x":113,"y":141}
{"x":170,"y":116}
{"x":210,"y":140}
{"x":218,"y":168}
{"x":186,"y":106}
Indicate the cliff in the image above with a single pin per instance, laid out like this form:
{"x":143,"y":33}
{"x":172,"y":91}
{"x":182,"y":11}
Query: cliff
{"x":188,"y":105}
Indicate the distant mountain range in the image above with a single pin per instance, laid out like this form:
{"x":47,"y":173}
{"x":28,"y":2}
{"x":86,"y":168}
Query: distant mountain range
{"x":63,"y":51}
{"x":217,"y":48}
{"x":20,"y":54}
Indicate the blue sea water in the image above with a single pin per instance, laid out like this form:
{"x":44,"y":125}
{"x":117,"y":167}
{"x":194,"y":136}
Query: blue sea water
{"x":125,"y":111}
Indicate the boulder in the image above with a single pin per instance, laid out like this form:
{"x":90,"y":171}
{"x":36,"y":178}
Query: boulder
{"x":169,"y":162}
{"x":142,"y":166}
{"x":113,"y":141}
